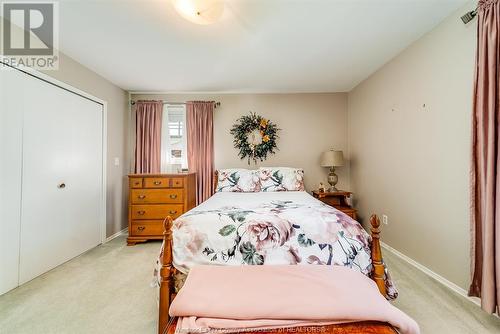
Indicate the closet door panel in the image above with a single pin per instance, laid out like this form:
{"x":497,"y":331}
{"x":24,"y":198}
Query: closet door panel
{"x":11,"y":115}
{"x":62,"y":178}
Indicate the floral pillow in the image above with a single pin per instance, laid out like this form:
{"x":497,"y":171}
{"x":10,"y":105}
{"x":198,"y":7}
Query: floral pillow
{"x":281,"y":179}
{"x":238,"y":180}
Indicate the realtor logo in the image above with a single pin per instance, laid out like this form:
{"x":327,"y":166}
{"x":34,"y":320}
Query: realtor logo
{"x":30,"y":34}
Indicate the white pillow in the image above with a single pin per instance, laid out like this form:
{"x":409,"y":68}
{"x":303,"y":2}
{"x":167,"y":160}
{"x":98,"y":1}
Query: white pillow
{"x":238,"y":180}
{"x":281,"y":179}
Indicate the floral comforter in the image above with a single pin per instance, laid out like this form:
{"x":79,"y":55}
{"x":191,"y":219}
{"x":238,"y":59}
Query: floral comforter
{"x":270,"y":229}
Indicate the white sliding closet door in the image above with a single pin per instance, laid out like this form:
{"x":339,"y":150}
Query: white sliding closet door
{"x":61,"y":177}
{"x":11,"y":118}
{"x":49,"y":136}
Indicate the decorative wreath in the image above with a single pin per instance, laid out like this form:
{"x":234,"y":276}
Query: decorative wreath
{"x":255,"y":137}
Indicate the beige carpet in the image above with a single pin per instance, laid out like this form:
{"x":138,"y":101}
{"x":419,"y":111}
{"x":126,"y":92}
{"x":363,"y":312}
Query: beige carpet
{"x":107,"y":290}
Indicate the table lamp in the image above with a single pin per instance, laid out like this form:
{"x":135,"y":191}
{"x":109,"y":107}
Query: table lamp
{"x":332,"y":159}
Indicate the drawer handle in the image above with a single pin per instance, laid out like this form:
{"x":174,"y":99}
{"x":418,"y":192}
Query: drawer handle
{"x":172,"y":212}
{"x":141,"y":228}
{"x":142,"y":212}
{"x":137,"y":183}
{"x":174,"y":196}
{"x":142,"y":196}
{"x":157,"y":183}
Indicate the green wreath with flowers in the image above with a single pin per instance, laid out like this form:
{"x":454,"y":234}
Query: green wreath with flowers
{"x":254,"y":137}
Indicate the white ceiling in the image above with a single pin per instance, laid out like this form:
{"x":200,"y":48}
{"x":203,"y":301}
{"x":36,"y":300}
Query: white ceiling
{"x":257,"y":46}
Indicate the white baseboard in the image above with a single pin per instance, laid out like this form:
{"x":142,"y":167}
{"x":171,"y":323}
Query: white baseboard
{"x":452,"y":286}
{"x":117,"y":234}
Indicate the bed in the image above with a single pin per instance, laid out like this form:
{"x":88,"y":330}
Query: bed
{"x":259,"y":228}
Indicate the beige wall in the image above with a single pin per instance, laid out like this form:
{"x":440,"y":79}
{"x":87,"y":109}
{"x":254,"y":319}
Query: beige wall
{"x":309,"y":123}
{"x":84,"y":79}
{"x":409,"y":131}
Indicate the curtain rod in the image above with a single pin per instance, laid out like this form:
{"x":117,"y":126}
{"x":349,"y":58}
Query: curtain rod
{"x":216,"y":104}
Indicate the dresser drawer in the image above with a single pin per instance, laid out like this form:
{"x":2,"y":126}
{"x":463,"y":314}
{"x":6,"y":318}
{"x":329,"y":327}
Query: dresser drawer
{"x":146,"y":227}
{"x":156,"y":182}
{"x":156,"y":211}
{"x":136,"y":182}
{"x":162,"y":196}
{"x":177,"y":182}
{"x":332,"y":201}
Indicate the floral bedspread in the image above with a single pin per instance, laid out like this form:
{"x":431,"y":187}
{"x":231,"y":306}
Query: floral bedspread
{"x":270,"y":229}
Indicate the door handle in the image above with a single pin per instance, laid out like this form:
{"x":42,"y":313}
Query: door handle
{"x":61,"y":185}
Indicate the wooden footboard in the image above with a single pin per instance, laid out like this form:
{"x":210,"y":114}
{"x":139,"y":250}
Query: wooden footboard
{"x":166,"y":281}
{"x":167,"y":292}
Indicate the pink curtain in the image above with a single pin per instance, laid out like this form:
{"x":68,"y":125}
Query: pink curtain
{"x":148,"y":121}
{"x":485,"y":173}
{"x":200,"y":145}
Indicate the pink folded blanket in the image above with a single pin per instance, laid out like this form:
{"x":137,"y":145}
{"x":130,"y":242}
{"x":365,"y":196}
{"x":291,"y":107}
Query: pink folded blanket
{"x":232,"y":298}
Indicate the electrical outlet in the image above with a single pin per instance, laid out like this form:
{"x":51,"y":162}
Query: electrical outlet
{"x":117,"y":161}
{"x":385,"y":220}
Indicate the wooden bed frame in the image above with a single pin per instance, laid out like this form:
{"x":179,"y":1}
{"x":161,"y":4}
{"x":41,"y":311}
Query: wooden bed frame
{"x":167,"y":270}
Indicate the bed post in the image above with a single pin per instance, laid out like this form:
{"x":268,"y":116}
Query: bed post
{"x":166,"y":279}
{"x":378,"y":273}
{"x":215,"y":179}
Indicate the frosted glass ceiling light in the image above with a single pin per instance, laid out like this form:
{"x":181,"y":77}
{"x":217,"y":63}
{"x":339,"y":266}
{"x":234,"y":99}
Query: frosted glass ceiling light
{"x":200,"y":11}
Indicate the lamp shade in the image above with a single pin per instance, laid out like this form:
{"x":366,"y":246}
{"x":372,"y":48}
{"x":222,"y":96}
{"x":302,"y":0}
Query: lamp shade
{"x":332,"y":158}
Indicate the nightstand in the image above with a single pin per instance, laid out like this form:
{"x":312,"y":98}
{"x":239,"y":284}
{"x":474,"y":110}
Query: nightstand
{"x":338,"y":200}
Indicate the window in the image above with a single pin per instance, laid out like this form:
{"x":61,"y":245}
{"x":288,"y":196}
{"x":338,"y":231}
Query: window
{"x":173,"y":141}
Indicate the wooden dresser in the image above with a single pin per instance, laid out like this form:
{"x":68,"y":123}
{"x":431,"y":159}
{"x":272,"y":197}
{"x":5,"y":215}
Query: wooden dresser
{"x":153,"y":197}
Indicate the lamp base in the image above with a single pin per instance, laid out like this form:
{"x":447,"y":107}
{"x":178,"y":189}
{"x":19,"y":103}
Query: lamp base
{"x":332,"y":180}
{"x":332,"y":190}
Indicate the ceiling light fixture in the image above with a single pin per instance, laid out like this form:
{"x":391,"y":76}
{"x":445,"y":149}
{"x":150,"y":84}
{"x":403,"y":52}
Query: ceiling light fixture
{"x":200,"y":11}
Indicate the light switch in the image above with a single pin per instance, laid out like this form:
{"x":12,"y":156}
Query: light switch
{"x":117,"y":161}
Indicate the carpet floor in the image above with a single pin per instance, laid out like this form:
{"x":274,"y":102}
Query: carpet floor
{"x":107,"y":290}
